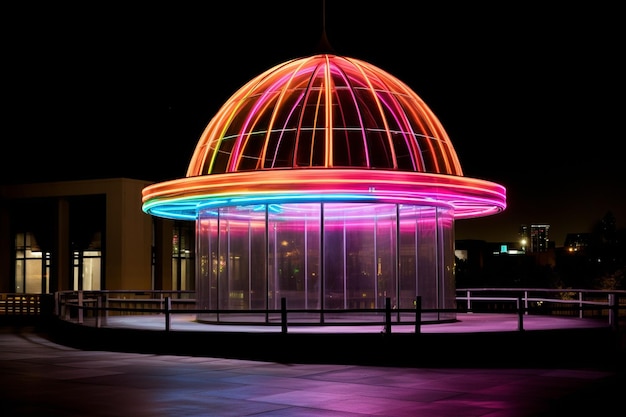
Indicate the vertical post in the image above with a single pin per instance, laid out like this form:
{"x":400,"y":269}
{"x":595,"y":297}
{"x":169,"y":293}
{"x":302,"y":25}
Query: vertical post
{"x":613,"y":310}
{"x":105,"y":312}
{"x":520,"y":314}
{"x":525,"y":302}
{"x":57,"y":304}
{"x":98,"y":312}
{"x":580,"y":304}
{"x":168,"y":318}
{"x":66,"y":308}
{"x":387,"y":315}
{"x":283,"y":315}
{"x":469,"y":302}
{"x":418,"y":314}
{"x":80,"y":307}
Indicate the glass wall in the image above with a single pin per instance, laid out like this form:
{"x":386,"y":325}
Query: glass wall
{"x":324,"y":258}
{"x":32,"y":266}
{"x":87,"y":270}
{"x":183,"y":260}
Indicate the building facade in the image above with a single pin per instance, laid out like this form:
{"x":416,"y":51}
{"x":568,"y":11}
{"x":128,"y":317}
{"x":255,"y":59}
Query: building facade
{"x":89,"y":235}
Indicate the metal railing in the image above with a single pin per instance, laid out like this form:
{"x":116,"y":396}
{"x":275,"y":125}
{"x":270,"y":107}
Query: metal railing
{"x":568,"y":302}
{"x":93,"y":308}
{"x":15,"y":304}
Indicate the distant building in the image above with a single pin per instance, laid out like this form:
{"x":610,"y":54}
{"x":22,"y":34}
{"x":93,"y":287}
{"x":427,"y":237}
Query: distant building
{"x":524,"y":237}
{"x":577,"y":242}
{"x":500,"y":264}
{"x":539,"y":239}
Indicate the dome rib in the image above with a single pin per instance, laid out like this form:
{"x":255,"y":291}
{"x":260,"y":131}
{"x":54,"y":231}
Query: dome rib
{"x":275,"y":113}
{"x":343,"y":108}
{"x":373,"y":91}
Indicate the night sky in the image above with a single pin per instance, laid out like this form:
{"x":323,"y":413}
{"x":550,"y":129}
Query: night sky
{"x":530,"y":95}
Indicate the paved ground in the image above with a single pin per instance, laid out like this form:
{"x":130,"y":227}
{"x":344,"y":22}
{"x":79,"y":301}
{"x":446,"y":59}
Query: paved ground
{"x":472,"y":340}
{"x":39,"y":377}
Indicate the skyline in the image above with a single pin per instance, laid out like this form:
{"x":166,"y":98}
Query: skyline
{"x":525,"y":97}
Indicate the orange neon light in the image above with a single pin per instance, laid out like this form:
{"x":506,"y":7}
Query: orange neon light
{"x":324,"y":128}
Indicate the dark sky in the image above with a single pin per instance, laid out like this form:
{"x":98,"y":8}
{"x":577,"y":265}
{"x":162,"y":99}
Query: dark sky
{"x":531,"y":95}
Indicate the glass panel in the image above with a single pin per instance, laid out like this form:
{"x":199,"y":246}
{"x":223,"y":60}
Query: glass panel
{"x":272,"y":263}
{"x":257,"y":262}
{"x":295,"y":237}
{"x":91,"y":270}
{"x":238,"y":259}
{"x":31,"y":270}
{"x":183,"y":257}
{"x":187,"y":271}
{"x":76,"y":271}
{"x":386,"y":254}
{"x":207,"y":264}
{"x":407,"y":275}
{"x":446,"y":248}
{"x":19,"y":275}
{"x":334,"y":256}
{"x":427,"y":257}
{"x":176,"y":242}
{"x":175,"y":273}
{"x":361,"y":259}
{"x":312,"y":226}
{"x":47,"y":273}
{"x":290,"y":261}
{"x":34,"y":272}
{"x":223,"y":282}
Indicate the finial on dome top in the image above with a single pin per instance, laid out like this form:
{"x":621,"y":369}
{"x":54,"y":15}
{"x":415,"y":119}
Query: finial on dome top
{"x":323,"y":46}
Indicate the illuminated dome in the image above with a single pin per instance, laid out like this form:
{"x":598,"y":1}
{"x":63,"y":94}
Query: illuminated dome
{"x":330,"y":184}
{"x":346,"y":130}
{"x":324,"y":111}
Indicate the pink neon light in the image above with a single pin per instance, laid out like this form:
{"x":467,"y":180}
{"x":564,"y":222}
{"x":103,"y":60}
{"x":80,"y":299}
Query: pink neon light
{"x":468,"y":197}
{"x":282,"y":112}
{"x":324,"y":128}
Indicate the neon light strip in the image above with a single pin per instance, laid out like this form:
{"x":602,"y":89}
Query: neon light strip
{"x":389,"y":97}
{"x":466,"y":196}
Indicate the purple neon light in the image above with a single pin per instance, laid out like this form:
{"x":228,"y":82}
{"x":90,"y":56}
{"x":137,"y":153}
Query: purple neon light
{"x":330,"y":128}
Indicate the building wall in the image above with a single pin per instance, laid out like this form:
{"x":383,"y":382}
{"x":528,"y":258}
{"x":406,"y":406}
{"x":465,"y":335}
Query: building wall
{"x":128,"y":235}
{"x":5,"y":247}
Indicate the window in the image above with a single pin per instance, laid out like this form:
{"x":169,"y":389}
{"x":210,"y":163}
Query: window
{"x":32,"y":265}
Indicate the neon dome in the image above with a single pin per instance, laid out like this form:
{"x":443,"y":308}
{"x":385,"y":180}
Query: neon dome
{"x":327,"y":172}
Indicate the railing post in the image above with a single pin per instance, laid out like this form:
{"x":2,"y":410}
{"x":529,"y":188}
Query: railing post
{"x":613,"y":310}
{"x":105,"y":311}
{"x":580,"y":304}
{"x":387,"y":315}
{"x":418,"y":314}
{"x":98,"y":311}
{"x":283,"y":315}
{"x":57,"y":304}
{"x":525,"y":301}
{"x":168,"y":307}
{"x":80,"y":306}
{"x":67,"y":313}
{"x":469,"y":301}
{"x":520,"y":315}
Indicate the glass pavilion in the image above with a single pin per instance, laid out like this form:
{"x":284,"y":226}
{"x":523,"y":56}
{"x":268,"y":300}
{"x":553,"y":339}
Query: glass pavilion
{"x":327,"y":184}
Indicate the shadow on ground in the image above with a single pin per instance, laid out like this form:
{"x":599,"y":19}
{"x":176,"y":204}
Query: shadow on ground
{"x":580,"y":347}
